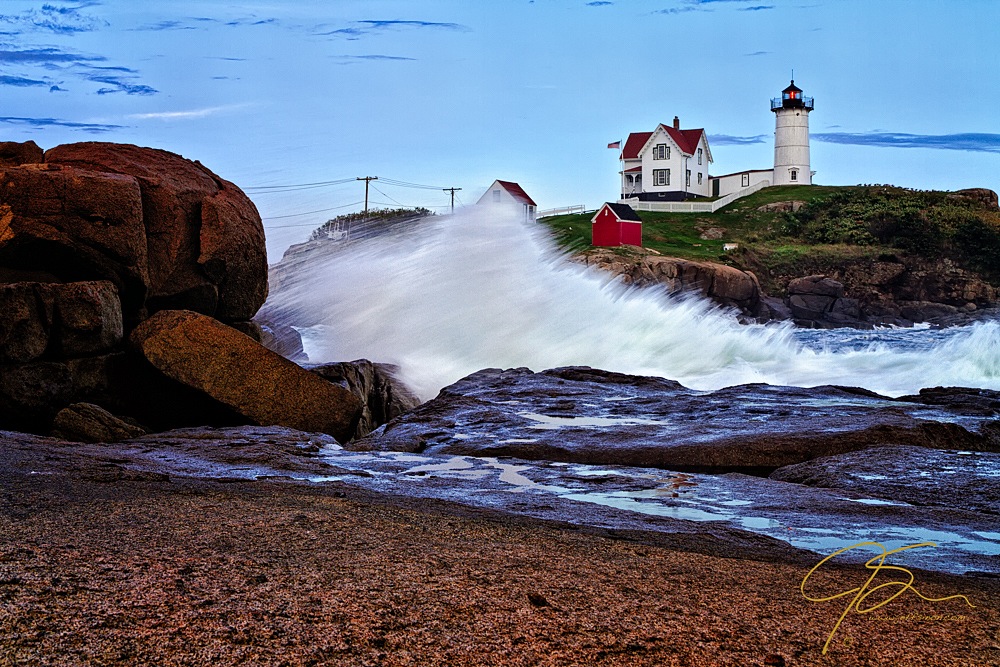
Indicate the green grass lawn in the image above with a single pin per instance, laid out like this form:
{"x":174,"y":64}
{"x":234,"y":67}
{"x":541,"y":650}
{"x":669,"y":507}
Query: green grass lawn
{"x":679,"y":234}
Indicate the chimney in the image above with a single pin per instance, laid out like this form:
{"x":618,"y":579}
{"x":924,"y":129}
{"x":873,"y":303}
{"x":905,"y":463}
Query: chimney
{"x":677,"y":123}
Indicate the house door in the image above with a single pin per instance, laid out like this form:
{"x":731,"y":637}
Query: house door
{"x":715,"y":187}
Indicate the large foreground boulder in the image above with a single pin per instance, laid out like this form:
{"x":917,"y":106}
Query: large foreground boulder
{"x":205,"y":238}
{"x":233,"y":369}
{"x":74,"y":224}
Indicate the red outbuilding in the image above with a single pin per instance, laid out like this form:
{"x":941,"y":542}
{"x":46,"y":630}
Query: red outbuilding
{"x":616,"y":224}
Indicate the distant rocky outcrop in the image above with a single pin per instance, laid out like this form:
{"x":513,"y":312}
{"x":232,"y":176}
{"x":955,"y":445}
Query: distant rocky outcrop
{"x":819,"y":302}
{"x":727,"y":286}
{"x":890,"y":291}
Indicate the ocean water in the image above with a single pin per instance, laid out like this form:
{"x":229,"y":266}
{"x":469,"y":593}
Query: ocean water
{"x":460,"y":293}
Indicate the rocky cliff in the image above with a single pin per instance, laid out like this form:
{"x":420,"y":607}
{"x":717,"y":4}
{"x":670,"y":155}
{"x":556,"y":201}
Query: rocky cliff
{"x":129,"y":278}
{"x":727,"y":286}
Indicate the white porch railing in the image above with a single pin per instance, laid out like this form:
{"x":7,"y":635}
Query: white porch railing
{"x":565,"y":210}
{"x":694,"y":206}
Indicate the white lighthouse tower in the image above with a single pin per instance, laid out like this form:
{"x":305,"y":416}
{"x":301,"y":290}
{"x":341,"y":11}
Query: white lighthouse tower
{"x":791,"y":137}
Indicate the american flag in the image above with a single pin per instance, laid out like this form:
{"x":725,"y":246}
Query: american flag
{"x":616,"y":144}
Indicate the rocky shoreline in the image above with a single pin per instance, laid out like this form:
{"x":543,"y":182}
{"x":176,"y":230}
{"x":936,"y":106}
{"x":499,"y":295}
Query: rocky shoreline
{"x":103,"y":563}
{"x":886,"y":292}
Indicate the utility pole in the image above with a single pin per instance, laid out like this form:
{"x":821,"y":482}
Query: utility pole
{"x":367,"y":180}
{"x":452,"y":191}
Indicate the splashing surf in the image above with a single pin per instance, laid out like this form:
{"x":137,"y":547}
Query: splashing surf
{"x":456,"y":294}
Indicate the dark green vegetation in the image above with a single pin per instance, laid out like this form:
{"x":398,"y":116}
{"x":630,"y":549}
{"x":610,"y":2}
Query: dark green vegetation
{"x":375,"y":214}
{"x":833,"y":227}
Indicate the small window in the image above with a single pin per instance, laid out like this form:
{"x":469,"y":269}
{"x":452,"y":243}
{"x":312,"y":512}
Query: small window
{"x":795,"y":175}
{"x":699,"y":178}
{"x":661,"y":152}
{"x":699,"y":158}
{"x":687,"y":178}
{"x":745,"y":181}
{"x":661,"y":177}
{"x":496,"y":195}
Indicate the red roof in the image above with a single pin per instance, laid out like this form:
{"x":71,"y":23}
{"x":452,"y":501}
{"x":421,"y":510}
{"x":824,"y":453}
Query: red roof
{"x":686,"y":140}
{"x":517,"y":192}
{"x":634,"y":144}
{"x":633,"y":169}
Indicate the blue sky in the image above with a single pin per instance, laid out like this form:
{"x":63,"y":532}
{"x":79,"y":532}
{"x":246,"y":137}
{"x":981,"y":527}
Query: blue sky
{"x":454,"y":93}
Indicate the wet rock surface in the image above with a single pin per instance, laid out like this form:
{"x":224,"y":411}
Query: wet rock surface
{"x":915,"y":475}
{"x":733,"y":514}
{"x":383,"y":396}
{"x":584,"y":415}
{"x":231,"y":368}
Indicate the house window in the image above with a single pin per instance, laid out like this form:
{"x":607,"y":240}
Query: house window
{"x":661,"y":152}
{"x":687,"y":178}
{"x":795,"y":175}
{"x":661,"y":177}
{"x":699,"y":178}
{"x":496,"y":195}
{"x":699,"y":157}
{"x":745,"y":181}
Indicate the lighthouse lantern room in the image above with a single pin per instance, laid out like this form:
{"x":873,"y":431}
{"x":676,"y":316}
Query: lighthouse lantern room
{"x":791,"y":137}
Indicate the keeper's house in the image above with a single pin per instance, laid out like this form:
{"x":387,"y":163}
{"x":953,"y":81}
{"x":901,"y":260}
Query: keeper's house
{"x":667,"y":164}
{"x":510,"y":197}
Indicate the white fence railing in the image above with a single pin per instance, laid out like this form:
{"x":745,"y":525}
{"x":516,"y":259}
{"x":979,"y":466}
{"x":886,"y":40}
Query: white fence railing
{"x":565,"y":210}
{"x":694,"y":206}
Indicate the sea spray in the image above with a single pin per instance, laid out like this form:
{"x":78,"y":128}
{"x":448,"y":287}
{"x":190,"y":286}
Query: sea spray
{"x":455,"y":294}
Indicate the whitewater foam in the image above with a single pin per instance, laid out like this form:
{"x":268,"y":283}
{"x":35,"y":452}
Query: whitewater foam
{"x":460,"y":293}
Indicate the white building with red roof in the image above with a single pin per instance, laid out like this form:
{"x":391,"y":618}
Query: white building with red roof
{"x":511,"y":197}
{"x":670,"y":164}
{"x":667,"y":164}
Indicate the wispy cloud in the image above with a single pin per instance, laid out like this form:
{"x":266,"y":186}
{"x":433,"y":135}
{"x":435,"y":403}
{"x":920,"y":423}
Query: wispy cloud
{"x":756,"y":8}
{"x":20,"y":81}
{"x":599,"y":3}
{"x":705,"y":6}
{"x":680,"y":10}
{"x":360,"y":29}
{"x":730,"y":140}
{"x":166,"y":25}
{"x":188,"y":114}
{"x":120,"y":79}
{"x":59,"y":18}
{"x":204,"y":23}
{"x":46,"y":55}
{"x":95,"y":128}
{"x":974,"y":142}
{"x":758,"y":53}
{"x":346,"y":60}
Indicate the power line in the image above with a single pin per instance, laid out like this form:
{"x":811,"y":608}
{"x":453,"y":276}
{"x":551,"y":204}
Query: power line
{"x":387,"y":196}
{"x":263,"y":189}
{"x":322,"y":210}
{"x":407,"y":184}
